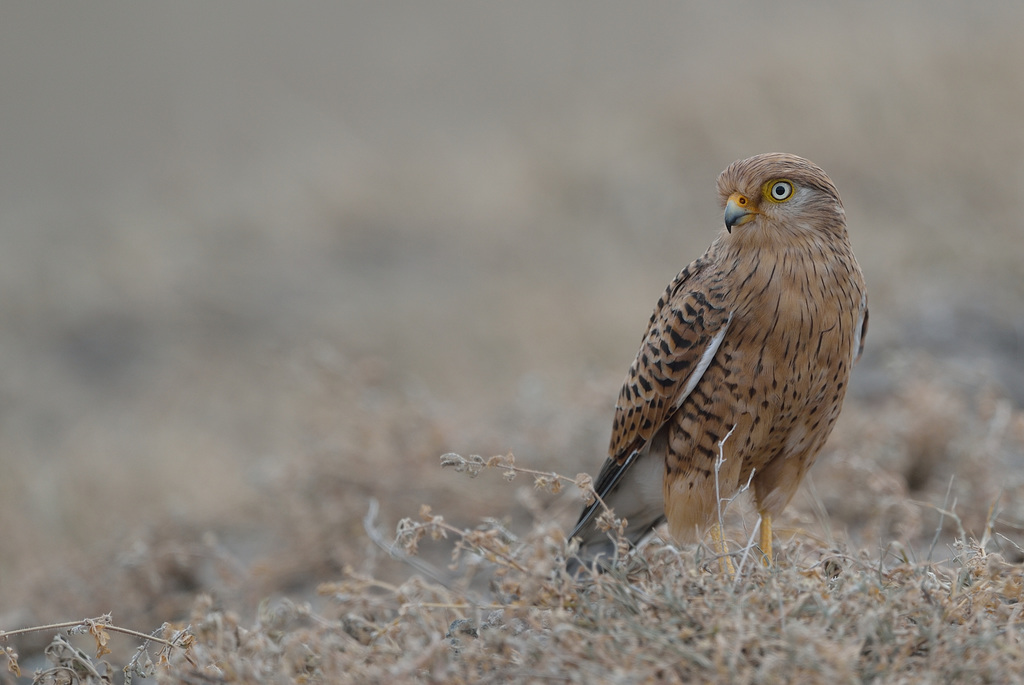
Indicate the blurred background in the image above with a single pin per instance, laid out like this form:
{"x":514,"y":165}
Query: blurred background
{"x":261,"y":262}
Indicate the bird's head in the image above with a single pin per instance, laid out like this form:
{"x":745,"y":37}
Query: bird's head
{"x":779,"y":194}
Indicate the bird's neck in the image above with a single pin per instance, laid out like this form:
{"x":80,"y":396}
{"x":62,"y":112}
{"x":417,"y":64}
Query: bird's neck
{"x":805,"y":262}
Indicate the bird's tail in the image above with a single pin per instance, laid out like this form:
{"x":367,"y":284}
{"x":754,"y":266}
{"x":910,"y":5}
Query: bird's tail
{"x":598,"y":548}
{"x":633,"y":491}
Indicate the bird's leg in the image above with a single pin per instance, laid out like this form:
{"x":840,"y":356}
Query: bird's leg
{"x":766,"y":538}
{"x":718,"y":539}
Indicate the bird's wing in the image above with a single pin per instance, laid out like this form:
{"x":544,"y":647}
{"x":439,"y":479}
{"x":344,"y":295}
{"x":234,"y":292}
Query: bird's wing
{"x":862,"y":329}
{"x":682,"y":338}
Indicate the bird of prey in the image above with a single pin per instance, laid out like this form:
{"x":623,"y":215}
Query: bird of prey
{"x":746,"y":358}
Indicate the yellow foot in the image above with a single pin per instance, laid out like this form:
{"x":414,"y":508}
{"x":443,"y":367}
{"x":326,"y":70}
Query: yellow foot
{"x":766,"y":539}
{"x":718,"y":540}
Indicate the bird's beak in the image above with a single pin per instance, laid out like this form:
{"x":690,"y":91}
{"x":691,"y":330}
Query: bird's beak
{"x":738,"y":211}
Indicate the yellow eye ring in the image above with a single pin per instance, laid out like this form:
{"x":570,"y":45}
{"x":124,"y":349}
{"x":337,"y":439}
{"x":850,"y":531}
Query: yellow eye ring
{"x":778,"y":191}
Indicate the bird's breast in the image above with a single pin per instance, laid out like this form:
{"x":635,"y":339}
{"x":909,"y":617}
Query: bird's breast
{"x":793,"y":335}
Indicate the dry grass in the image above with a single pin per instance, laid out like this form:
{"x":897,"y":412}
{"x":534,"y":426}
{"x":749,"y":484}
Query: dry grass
{"x":889,"y":585}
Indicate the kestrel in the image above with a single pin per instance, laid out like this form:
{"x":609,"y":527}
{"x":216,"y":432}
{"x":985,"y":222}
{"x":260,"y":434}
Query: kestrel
{"x":746,"y":358}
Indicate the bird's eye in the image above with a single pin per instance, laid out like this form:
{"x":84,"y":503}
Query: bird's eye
{"x":779,"y":191}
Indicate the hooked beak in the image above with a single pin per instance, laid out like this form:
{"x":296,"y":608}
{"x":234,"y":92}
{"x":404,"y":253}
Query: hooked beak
{"x":738,"y":211}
